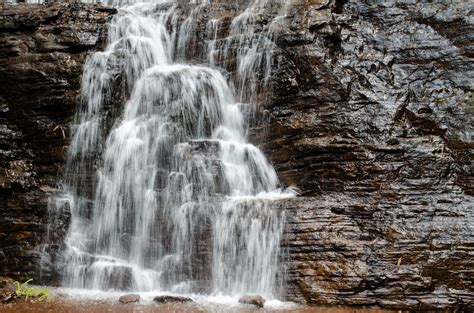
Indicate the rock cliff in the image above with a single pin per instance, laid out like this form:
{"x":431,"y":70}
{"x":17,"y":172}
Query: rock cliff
{"x":42,"y":49}
{"x":372,"y":118}
{"x":370,"y":114}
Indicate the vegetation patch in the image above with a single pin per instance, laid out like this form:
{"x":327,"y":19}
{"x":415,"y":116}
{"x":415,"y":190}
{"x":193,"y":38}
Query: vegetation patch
{"x":32,"y":293}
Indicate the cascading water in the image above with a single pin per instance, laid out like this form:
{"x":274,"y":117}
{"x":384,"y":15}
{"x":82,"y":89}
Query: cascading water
{"x":169,"y":195}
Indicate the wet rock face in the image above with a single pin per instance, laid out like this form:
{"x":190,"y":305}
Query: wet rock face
{"x":255,"y":300}
{"x":372,"y":118}
{"x":7,"y":290}
{"x":42,"y":49}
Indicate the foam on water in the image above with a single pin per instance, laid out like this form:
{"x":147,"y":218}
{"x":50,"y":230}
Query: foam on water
{"x":146,"y":298}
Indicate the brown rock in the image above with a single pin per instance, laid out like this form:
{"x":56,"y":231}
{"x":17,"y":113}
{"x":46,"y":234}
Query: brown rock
{"x":131,"y":298}
{"x":382,"y":159}
{"x":7,"y":290}
{"x":42,"y":49}
{"x":253,"y":300}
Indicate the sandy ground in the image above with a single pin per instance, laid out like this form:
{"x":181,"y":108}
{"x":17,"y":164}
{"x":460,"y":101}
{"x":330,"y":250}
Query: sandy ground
{"x":101,"y":306}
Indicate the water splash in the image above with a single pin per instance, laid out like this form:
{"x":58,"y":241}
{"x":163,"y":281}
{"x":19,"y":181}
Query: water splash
{"x":168,"y":194}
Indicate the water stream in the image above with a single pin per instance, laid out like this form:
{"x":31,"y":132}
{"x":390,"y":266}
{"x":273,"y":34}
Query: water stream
{"x":165,"y":191}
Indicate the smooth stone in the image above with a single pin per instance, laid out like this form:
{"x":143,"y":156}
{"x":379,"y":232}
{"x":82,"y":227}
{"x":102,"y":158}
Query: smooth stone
{"x":131,"y":298}
{"x":253,"y":300}
{"x":7,"y":290}
{"x":172,"y":299}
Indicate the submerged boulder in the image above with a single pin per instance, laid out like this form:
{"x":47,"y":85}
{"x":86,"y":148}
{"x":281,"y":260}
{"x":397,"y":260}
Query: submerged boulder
{"x":130,"y":298}
{"x":253,"y":300}
{"x":172,"y":299}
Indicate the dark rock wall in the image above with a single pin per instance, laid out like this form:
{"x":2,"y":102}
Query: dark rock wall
{"x":42,"y":49}
{"x":372,"y":118}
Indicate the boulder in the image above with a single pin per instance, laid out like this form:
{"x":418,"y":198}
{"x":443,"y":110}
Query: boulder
{"x":130,"y":298}
{"x":172,"y":299}
{"x":253,"y":300}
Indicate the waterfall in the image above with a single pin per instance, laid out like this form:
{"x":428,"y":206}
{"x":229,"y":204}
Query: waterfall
{"x":166,"y":193}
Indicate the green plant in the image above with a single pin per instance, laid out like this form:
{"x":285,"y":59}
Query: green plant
{"x":27,"y":291}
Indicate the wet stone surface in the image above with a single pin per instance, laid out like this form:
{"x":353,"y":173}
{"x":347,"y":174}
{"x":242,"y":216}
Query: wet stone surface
{"x":130,"y":298}
{"x":369,"y":113}
{"x":257,"y":301}
{"x":42,"y":50}
{"x":171,"y":299}
{"x":372,"y":118}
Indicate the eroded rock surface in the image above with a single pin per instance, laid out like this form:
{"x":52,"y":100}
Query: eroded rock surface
{"x":255,"y":300}
{"x":371,"y":116}
{"x":42,"y":49}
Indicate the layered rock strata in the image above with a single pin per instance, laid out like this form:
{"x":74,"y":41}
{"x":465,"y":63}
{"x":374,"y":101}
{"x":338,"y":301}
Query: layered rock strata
{"x":372,"y":118}
{"x":369,"y":113}
{"x":42,"y":50}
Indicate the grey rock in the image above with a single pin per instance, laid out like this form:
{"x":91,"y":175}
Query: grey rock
{"x":255,"y":300}
{"x":41,"y":57}
{"x":172,"y":299}
{"x":130,"y":298}
{"x":371,"y":117}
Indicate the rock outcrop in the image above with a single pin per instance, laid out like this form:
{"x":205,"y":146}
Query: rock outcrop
{"x":371,"y":116}
{"x":255,"y":300}
{"x":42,"y":50}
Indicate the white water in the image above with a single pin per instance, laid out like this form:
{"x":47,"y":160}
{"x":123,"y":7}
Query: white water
{"x":180,"y":200}
{"x":210,"y":303}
